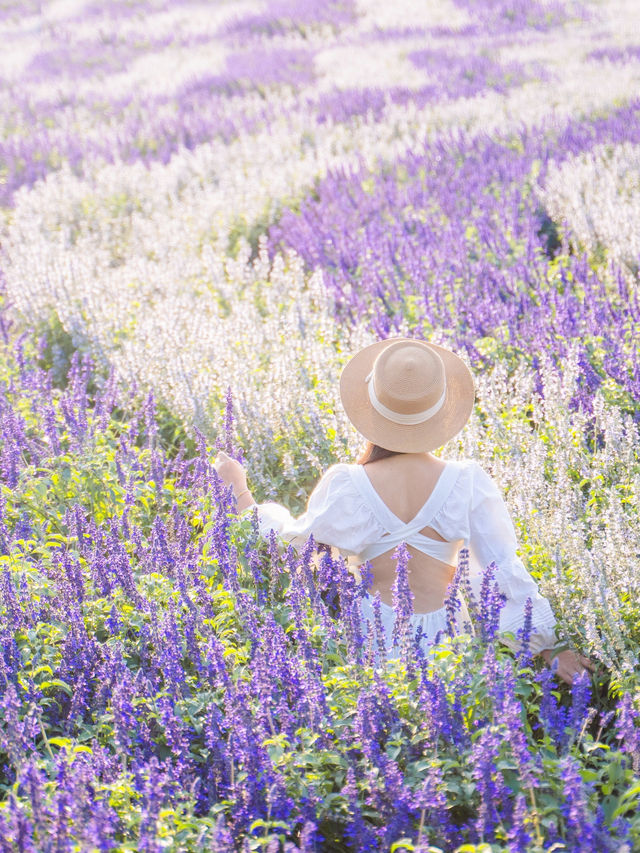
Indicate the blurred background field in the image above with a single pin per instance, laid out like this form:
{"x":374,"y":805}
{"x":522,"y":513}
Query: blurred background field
{"x":205,"y":209}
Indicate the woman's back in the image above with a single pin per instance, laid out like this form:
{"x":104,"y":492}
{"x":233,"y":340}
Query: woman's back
{"x":404,"y":483}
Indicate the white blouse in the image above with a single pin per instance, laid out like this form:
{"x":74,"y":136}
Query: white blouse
{"x":346,"y":512}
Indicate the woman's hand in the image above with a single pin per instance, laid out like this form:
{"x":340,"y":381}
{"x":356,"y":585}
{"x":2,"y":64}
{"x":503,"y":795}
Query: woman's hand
{"x":230,"y":471}
{"x":569,"y":663}
{"x":233,"y":474}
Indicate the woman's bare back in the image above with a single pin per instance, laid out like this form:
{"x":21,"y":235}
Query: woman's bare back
{"x":405,"y":482}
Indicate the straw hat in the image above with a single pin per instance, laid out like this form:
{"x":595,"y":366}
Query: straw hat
{"x":407,"y":395}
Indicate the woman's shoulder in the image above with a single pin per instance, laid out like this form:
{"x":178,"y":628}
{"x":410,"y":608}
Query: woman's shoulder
{"x":338,"y":478}
{"x":474,"y":483}
{"x":342,"y":491}
{"x":338,"y":471}
{"x":461,"y":469}
{"x":467,"y":466}
{"x":460,"y":479}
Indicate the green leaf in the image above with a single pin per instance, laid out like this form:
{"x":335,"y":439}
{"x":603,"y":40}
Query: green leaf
{"x":403,"y":844}
{"x":62,"y":742}
{"x":57,"y":683}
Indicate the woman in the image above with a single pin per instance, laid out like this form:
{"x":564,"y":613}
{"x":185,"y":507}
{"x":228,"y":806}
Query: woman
{"x":408,"y":398}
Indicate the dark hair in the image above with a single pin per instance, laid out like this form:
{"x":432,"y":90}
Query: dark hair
{"x":373,"y":452}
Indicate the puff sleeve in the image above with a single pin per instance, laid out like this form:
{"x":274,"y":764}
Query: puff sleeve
{"x":492,"y":538}
{"x":335,"y":515}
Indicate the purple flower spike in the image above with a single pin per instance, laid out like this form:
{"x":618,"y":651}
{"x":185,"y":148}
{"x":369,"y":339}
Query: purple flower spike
{"x":519,"y":835}
{"x":402,"y":601}
{"x":491,"y":603}
{"x":485,"y":755}
{"x":524,"y":635}
{"x":627,"y":726}
{"x":578,"y":815}
{"x":227,"y":440}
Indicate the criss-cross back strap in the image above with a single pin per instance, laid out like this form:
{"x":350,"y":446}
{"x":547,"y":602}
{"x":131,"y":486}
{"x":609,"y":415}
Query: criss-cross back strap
{"x":445,"y":551}
{"x":398,"y":531}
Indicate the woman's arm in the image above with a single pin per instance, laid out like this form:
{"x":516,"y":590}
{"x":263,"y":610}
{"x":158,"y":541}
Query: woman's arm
{"x":334,"y":516}
{"x":492,"y":539}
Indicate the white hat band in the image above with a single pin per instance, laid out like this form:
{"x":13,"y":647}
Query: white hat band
{"x":397,"y":417}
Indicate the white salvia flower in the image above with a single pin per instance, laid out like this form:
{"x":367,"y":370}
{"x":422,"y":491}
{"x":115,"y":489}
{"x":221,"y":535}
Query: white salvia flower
{"x":381,"y":15}
{"x":359,"y":67}
{"x":595,"y":196}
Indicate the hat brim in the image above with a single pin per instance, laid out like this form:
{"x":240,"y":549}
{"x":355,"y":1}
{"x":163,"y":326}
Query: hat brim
{"x":404,"y":438}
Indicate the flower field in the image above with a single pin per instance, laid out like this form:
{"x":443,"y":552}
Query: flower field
{"x":205,"y":209}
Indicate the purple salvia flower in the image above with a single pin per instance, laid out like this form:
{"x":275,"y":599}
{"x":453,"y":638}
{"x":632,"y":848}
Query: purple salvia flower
{"x":112,"y":622}
{"x":524,"y":635}
{"x":222,"y":841}
{"x":580,"y":699}
{"x":255,"y":566}
{"x":4,"y":533}
{"x":21,"y":833}
{"x":580,"y":831}
{"x":100,"y":573}
{"x":62,"y":808}
{"x":169,"y":653}
{"x":431,"y":801}
{"x":157,"y":471}
{"x":32,"y":786}
{"x":366,"y":578}
{"x":327,"y":580}
{"x":10,"y":460}
{"x":23,"y":530}
{"x":628,"y":730}
{"x":379,"y":628}
{"x":219,"y":535}
{"x":462,"y":579}
{"x":358,"y":831}
{"x":491,"y":602}
{"x":402,"y":602}
{"x":219,"y":759}
{"x":190,"y":627}
{"x":304,"y":571}
{"x":154,"y":787}
{"x":151,"y":427}
{"x":75,"y":521}
{"x":510,"y":713}
{"x":369,"y":647}
{"x":12,"y":610}
{"x":49,"y":422}
{"x":17,"y":734}
{"x":310,"y":837}
{"x":215,"y":664}
{"x":5,"y":322}
{"x":122,"y":708}
{"x":227,"y":443}
{"x":351,"y":618}
{"x":106,"y":401}
{"x":553,"y":716}
{"x":177,"y":738}
{"x":73,"y":574}
{"x":79,"y":704}
{"x":519,"y":836}
{"x":160,"y":555}
{"x":485,"y":753}
{"x":452,"y":603}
